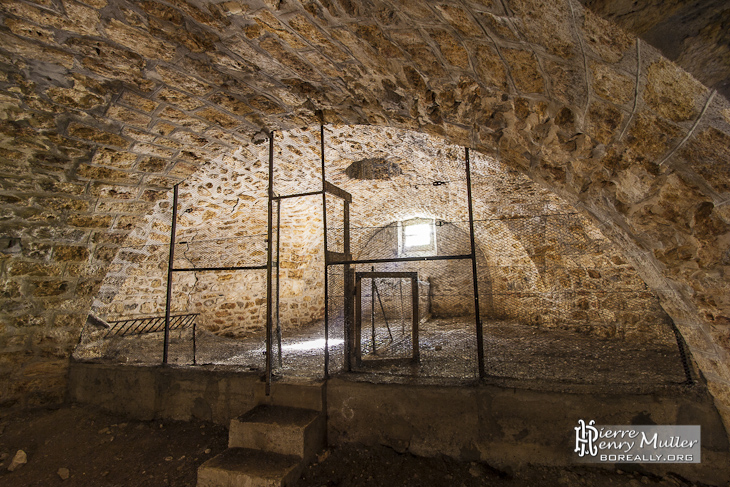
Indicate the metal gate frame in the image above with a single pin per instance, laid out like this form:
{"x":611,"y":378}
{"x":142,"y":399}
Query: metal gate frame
{"x":359,"y":276}
{"x":331,"y":258}
{"x":352,"y":358}
{"x":327,"y":188}
{"x":351,"y":281}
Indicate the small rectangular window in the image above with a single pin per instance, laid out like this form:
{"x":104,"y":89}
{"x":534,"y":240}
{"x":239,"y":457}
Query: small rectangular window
{"x":417,"y":236}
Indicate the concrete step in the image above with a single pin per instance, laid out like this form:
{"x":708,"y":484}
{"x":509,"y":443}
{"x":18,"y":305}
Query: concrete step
{"x":242,"y":467}
{"x":280,"y":429}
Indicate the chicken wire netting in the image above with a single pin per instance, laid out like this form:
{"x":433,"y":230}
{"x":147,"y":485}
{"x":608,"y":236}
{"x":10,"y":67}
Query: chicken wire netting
{"x":556,"y":302}
{"x":206,"y":251}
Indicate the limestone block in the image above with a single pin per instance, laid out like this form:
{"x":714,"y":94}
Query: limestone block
{"x":707,"y":153}
{"x":138,"y":102}
{"x":97,"y":135}
{"x":126,"y":115}
{"x":524,"y":70}
{"x":179,"y":100}
{"x":139,"y":41}
{"x":183,"y":82}
{"x":612,"y":85}
{"x":671,"y":92}
{"x":605,"y":38}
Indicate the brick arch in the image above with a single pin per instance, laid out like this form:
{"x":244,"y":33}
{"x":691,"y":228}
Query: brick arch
{"x":106,"y":104}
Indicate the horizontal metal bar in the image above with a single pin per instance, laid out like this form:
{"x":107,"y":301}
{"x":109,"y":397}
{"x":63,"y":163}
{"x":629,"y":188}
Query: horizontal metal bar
{"x":403,"y":259}
{"x":198,"y":269}
{"x":385,"y":275}
{"x":299,"y":195}
{"x":339,"y":192}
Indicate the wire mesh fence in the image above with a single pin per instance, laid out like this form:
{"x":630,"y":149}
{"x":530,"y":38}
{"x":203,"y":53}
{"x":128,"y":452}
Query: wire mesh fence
{"x":555,"y":304}
{"x":556,"y":300}
{"x":243,"y":251}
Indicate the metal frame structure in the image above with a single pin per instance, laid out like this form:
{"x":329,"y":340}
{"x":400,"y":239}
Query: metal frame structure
{"x":350,"y":345}
{"x":359,"y":276}
{"x":352,"y":280}
{"x":327,"y":188}
{"x":331,"y":259}
{"x":171,"y":270}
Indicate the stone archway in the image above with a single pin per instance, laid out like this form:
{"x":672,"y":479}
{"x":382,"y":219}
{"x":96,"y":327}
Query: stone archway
{"x":541,"y":266}
{"x":106,"y":104}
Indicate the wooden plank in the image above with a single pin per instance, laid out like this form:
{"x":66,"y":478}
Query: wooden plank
{"x":335,"y":191}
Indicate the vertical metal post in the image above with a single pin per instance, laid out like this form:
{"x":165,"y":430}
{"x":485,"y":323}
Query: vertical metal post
{"x":357,"y":334}
{"x":416,"y":319}
{"x":372,"y":311}
{"x":348,"y":290}
{"x":402,"y":323}
{"x":326,"y":278}
{"x":480,"y":331}
{"x":268,"y":266}
{"x":194,"y":346}
{"x":278,"y":279}
{"x":170,"y":259}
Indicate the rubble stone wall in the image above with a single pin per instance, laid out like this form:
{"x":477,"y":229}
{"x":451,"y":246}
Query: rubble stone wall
{"x":105,"y":104}
{"x":540,"y":263}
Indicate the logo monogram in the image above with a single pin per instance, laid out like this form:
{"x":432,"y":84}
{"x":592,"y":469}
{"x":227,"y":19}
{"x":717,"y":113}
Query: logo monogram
{"x":585,"y":436}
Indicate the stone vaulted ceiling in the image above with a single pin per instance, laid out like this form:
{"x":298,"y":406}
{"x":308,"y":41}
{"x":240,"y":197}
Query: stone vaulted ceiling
{"x":105,"y":104}
{"x":695,"y":35}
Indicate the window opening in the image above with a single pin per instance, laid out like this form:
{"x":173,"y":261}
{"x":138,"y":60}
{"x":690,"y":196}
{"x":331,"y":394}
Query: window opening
{"x":417,"y":235}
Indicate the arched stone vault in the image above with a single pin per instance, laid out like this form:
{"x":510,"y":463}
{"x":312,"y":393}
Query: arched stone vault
{"x":223,"y":222}
{"x":522,"y":233}
{"x":107,"y":103}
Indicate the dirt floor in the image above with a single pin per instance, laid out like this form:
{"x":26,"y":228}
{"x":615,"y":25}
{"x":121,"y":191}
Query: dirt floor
{"x":102,"y":450}
{"x":447,"y":350}
{"x":95,"y":449}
